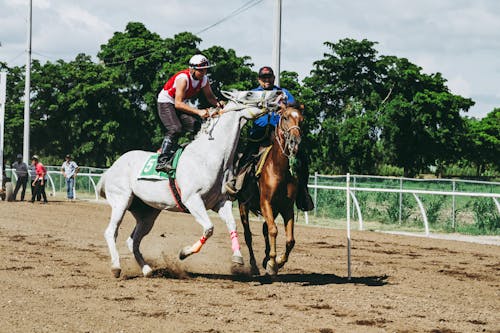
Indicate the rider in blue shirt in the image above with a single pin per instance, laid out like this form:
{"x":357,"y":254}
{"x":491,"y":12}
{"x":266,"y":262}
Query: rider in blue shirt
{"x":261,"y":132}
{"x":266,"y":82}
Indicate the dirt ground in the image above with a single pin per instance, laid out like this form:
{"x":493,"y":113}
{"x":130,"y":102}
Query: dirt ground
{"x":55,"y":277}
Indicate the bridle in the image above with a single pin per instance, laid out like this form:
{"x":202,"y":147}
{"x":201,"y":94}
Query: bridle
{"x":289,"y":140}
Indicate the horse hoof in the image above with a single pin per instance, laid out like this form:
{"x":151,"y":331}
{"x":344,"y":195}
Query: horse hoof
{"x":237,"y":260}
{"x":147,"y":271}
{"x":281,"y":262}
{"x":185,"y":252}
{"x":271,"y":268}
{"x":116,"y":272}
{"x":264,"y":262}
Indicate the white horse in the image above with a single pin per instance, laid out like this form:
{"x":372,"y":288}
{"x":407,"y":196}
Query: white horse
{"x":202,"y":170}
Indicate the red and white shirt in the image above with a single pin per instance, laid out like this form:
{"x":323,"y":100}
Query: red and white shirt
{"x":193,"y":87}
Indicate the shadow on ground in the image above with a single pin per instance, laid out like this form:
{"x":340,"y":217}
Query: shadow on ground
{"x":305,"y":279}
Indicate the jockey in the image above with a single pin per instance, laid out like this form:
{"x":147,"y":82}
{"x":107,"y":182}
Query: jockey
{"x":260,"y":133}
{"x":175,"y":113}
{"x":266,"y":82}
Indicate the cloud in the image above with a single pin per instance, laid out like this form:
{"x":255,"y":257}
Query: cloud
{"x":459,"y":38}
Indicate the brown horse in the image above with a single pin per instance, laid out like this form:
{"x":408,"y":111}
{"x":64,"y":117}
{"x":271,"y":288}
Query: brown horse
{"x":275,"y":191}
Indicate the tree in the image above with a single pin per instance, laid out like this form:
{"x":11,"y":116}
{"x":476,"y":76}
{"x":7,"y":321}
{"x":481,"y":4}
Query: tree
{"x":482,"y":141}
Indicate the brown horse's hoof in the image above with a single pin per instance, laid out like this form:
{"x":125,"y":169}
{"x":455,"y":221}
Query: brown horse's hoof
{"x":281,"y":261}
{"x":271,"y":268}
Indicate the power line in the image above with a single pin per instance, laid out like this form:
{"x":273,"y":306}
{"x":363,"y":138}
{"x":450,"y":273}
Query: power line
{"x":234,"y":13}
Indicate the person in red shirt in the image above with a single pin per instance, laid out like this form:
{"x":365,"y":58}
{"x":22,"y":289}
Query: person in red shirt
{"x":39,"y":181}
{"x":175,"y":113}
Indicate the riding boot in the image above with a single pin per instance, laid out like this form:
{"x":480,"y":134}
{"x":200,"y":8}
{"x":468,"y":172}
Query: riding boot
{"x":168,"y":148}
{"x":304,"y":200}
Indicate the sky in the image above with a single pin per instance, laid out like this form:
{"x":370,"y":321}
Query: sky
{"x":458,"y":38}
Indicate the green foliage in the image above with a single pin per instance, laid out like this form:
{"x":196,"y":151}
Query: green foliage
{"x":433,"y":207}
{"x":98,"y":111}
{"x":364,"y":112}
{"x":486,"y":216}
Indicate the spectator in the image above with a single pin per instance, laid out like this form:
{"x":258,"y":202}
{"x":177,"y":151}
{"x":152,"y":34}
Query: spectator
{"x":32,"y":173}
{"x":39,"y":182}
{"x":21,"y":170}
{"x":69,"y":170}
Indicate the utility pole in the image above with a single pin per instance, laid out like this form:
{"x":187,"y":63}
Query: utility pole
{"x":277,"y":41}
{"x":3,"y":89}
{"x":26,"y":140}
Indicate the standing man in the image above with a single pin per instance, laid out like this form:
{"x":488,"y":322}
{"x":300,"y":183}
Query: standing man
{"x":39,"y":182}
{"x":175,"y":113}
{"x":69,"y":170}
{"x":21,"y":170}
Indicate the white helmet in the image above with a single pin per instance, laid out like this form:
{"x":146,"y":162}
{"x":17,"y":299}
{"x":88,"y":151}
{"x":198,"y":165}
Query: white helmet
{"x":199,"y":61}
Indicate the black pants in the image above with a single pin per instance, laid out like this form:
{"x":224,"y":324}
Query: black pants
{"x":21,"y":181}
{"x":39,"y":191}
{"x":177,"y":122}
{"x":38,"y":196}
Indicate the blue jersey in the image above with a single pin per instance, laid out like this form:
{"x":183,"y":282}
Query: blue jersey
{"x":270,"y":118}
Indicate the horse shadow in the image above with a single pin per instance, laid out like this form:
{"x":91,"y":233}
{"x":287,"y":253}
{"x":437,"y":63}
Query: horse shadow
{"x":305,"y":279}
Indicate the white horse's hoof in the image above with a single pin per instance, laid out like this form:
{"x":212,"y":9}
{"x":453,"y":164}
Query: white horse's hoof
{"x":237,"y":259}
{"x":185,"y":252}
{"x":147,"y":271}
{"x":271,"y":268}
{"x":116,"y":271}
{"x":130,"y":244}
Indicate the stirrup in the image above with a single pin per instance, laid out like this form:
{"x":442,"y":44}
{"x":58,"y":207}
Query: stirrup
{"x":163,"y":165}
{"x":231,"y":188}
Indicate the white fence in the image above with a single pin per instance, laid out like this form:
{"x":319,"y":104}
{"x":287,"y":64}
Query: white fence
{"x":352,"y":181}
{"x":55,"y":181}
{"x":349,"y":183}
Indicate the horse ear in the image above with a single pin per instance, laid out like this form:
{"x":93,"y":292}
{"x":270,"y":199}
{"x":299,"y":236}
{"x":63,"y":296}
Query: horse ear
{"x":301,"y":107}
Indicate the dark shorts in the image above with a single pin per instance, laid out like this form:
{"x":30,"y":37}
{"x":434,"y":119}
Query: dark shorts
{"x":177,"y":122}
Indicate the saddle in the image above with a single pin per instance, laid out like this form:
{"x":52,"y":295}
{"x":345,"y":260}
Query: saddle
{"x":148,"y":171}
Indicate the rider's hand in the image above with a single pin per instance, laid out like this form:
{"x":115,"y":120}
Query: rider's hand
{"x":221,"y":104}
{"x":203,"y":113}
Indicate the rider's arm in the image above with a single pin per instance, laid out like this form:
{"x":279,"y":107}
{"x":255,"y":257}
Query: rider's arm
{"x":209,"y":94}
{"x":181,"y":84}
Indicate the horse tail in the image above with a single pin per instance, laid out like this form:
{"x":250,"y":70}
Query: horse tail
{"x":100,"y":186}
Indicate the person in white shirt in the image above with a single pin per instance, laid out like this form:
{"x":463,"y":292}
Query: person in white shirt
{"x":69,"y":170}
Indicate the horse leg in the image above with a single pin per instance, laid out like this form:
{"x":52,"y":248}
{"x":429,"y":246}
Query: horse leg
{"x":130,"y":241}
{"x":267,"y":213}
{"x":197,"y":208}
{"x":145,"y":218}
{"x":110,"y":234}
{"x":248,"y":238}
{"x":288,"y":217}
{"x":226,"y":214}
{"x":267,"y":249}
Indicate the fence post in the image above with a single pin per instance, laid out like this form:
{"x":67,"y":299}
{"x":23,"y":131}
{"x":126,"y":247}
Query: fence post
{"x":453,"y":207}
{"x":400,"y":199}
{"x":315,"y":193}
{"x":348,"y":209}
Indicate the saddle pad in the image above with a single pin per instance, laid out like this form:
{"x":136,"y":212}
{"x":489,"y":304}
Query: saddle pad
{"x":148,"y":171}
{"x":262,"y":160}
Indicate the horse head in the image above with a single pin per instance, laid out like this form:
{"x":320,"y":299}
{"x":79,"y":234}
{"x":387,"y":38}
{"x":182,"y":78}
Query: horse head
{"x":255,"y":102}
{"x":288,"y":130}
